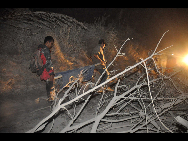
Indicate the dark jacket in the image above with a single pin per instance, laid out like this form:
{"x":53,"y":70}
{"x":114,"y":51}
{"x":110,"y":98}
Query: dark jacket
{"x":47,"y":63}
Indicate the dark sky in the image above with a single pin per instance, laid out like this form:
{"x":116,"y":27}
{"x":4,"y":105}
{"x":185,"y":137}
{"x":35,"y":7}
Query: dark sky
{"x":150,"y":22}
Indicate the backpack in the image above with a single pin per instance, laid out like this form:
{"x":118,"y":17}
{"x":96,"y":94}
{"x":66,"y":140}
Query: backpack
{"x":36,"y":64}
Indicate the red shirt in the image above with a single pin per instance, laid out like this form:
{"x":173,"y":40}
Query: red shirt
{"x":47,"y":63}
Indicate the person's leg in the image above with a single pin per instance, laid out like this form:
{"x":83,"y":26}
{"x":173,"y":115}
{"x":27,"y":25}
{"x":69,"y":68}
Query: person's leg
{"x":104,"y":77}
{"x":50,"y":88}
{"x":51,"y":78}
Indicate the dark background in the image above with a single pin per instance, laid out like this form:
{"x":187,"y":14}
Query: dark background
{"x":150,"y":22}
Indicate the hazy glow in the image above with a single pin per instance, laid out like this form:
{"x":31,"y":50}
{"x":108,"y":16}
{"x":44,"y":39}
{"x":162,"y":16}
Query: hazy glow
{"x":185,"y":60}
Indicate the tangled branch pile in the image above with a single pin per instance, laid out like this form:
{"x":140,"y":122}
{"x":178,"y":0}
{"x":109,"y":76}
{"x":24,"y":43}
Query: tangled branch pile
{"x":138,"y":104}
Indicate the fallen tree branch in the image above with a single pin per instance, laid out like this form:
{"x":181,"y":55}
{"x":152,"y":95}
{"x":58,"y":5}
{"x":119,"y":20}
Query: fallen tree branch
{"x":119,"y":101}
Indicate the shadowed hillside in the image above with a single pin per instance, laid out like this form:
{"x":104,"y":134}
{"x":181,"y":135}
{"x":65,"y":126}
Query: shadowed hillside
{"x":22,"y":31}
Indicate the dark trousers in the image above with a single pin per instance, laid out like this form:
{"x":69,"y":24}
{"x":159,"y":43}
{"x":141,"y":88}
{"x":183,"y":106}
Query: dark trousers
{"x":49,"y":87}
{"x":104,"y":77}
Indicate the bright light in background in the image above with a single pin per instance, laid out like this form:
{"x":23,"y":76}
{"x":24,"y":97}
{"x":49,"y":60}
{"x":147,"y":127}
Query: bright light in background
{"x":185,"y":60}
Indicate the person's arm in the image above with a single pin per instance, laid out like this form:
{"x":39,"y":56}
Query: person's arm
{"x":102,"y":62}
{"x":102,"y":53}
{"x":46,"y":57}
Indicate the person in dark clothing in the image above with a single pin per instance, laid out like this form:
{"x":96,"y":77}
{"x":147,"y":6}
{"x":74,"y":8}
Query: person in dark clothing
{"x":98,"y":57}
{"x":48,"y":72}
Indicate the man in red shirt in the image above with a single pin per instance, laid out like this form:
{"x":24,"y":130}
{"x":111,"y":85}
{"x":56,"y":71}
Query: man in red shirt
{"x":48,"y":72}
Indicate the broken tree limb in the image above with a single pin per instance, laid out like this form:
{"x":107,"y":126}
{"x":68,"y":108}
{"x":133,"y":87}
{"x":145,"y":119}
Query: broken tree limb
{"x":124,"y":96}
{"x":100,"y":116}
{"x":57,"y":77}
{"x":75,"y":117}
{"x":182,"y":121}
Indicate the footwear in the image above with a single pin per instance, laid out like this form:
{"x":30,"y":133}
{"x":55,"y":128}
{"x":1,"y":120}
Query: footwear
{"x":112,"y":82}
{"x":52,"y":95}
{"x":100,"y":90}
{"x":50,"y":90}
{"x":109,"y":89}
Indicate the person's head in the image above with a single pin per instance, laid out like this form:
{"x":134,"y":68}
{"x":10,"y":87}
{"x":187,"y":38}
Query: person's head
{"x":49,"y":41}
{"x":102,"y":43}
